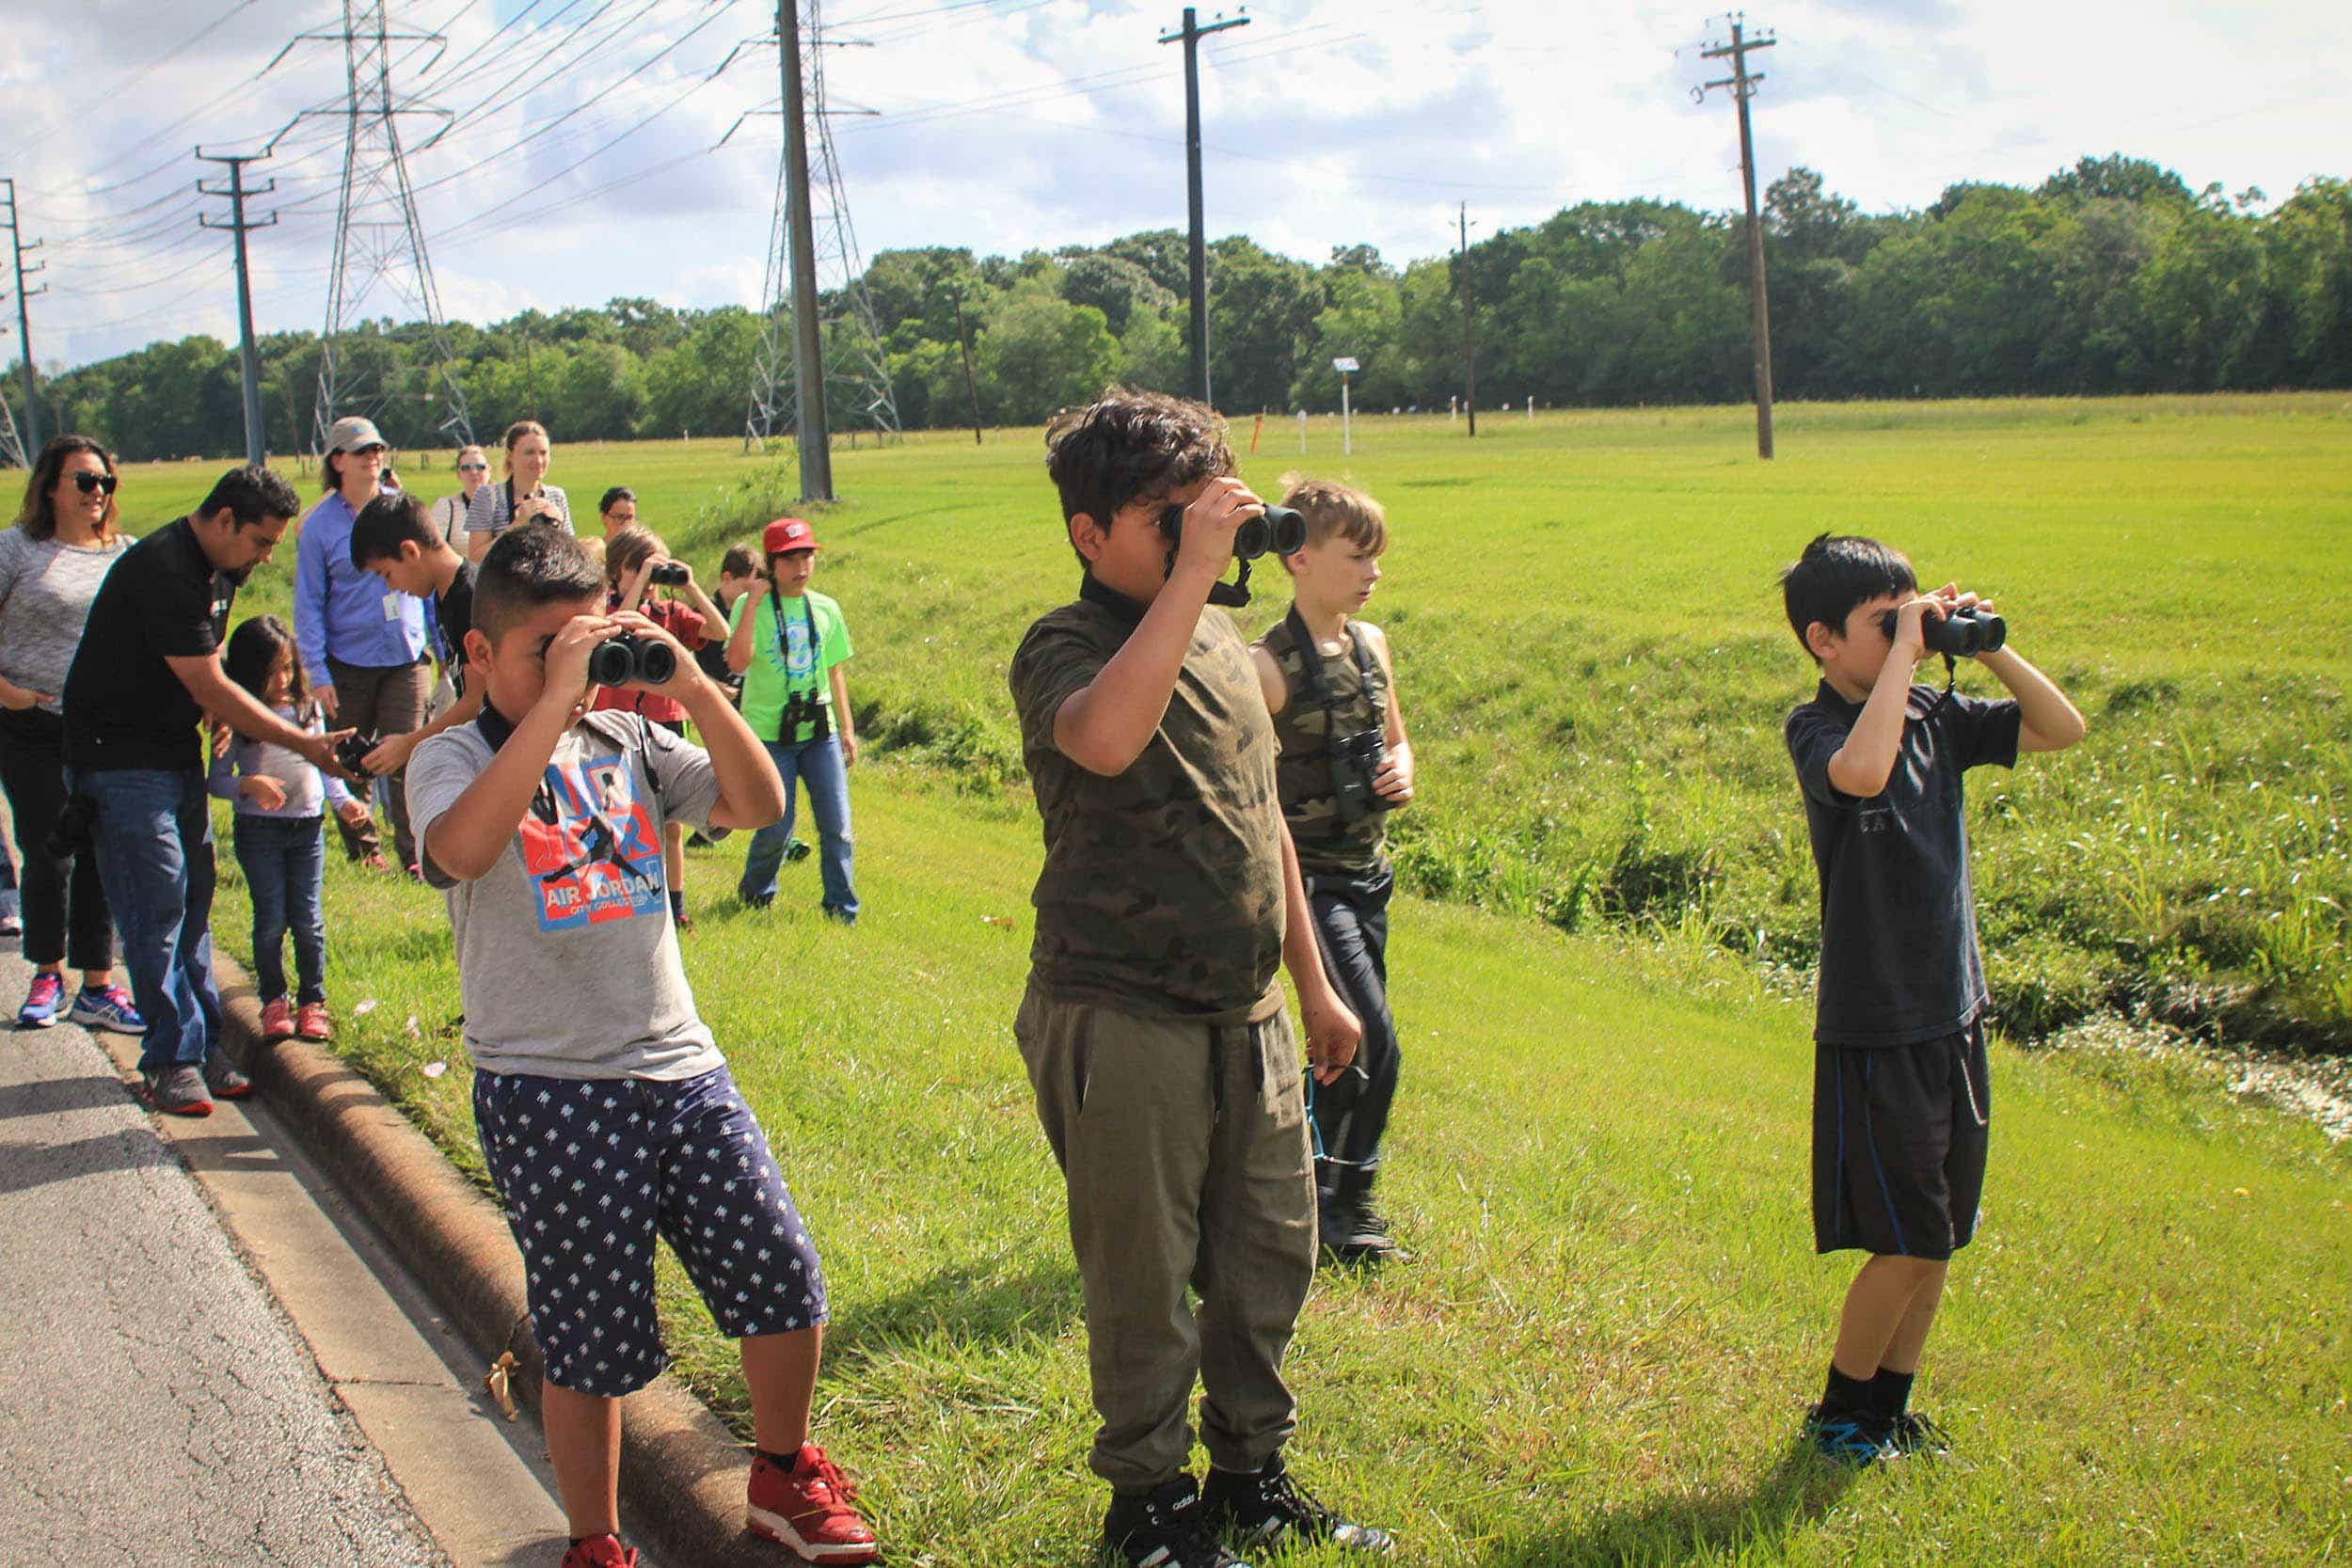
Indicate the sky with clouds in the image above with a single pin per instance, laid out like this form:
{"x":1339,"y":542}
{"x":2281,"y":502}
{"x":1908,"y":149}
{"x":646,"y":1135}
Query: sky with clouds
{"x":595,"y":149}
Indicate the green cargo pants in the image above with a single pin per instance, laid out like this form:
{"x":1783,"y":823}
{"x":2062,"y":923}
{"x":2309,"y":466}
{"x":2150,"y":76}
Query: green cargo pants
{"x":1185,"y":1153}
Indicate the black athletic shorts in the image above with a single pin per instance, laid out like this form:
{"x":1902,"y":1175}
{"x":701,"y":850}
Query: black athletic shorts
{"x":1899,"y":1144}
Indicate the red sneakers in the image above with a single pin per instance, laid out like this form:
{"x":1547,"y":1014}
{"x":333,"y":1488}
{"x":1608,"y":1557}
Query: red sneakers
{"x":277,"y":1020}
{"x":601,"y":1551}
{"x":809,"y":1509}
{"x":311,"y":1022}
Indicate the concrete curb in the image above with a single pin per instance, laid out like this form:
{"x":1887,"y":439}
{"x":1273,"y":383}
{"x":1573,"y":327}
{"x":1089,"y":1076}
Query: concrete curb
{"x":683,"y":1476}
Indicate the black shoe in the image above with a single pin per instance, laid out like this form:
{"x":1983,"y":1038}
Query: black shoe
{"x":796,"y":850}
{"x":1164,"y":1527}
{"x":1357,"y":1236}
{"x":1268,"y":1508}
{"x":1914,"y":1433}
{"x":1859,"y":1438}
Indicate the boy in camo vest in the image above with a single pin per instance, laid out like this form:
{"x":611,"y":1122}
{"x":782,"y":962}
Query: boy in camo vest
{"x":1345,"y":764}
{"x":1167,"y":1077}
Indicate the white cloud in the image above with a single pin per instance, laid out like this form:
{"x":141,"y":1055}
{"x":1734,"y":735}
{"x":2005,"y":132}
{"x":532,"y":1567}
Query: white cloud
{"x":1029,"y":123}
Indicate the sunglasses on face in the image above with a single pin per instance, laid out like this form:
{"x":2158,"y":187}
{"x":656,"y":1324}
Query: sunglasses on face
{"x":87,"y":482}
{"x":473,"y":468}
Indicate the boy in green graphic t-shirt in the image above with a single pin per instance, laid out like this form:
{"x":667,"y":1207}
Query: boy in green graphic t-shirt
{"x":790,"y":644}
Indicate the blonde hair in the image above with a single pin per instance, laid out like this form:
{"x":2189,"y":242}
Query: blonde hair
{"x":1332,"y":508}
{"x":627,"y":550}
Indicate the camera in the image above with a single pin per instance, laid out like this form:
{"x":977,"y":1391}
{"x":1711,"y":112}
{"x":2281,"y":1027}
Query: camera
{"x":1963,"y":634}
{"x":1355,"y":760}
{"x":620,"y":661}
{"x":668,"y":573}
{"x":351,"y":752}
{"x":1281,"y":530}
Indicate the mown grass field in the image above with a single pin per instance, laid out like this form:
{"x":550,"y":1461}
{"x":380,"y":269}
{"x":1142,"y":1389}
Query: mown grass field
{"x":1615,"y":1317}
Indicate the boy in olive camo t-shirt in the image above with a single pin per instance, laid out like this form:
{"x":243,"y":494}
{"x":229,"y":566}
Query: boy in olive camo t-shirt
{"x":1167,"y":1077}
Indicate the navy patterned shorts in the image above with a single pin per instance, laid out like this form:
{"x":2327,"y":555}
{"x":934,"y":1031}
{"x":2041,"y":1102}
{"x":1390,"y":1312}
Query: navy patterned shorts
{"x":590,"y":1171}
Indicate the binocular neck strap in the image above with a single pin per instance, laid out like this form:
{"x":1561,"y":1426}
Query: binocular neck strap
{"x":1233,"y":595}
{"x":1311,"y":657}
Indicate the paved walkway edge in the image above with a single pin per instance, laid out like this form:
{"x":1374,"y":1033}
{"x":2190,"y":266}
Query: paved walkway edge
{"x":683,"y":1476}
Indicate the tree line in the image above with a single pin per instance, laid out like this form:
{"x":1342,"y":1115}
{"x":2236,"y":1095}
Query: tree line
{"x":2111,"y":277}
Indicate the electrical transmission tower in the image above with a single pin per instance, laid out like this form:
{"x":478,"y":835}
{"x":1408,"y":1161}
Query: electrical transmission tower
{"x":378,"y":237}
{"x":848,"y":342}
{"x":12,"y":453}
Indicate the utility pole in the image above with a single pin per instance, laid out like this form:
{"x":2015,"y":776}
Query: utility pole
{"x":23,"y":322}
{"x":1743,"y":83}
{"x":236,"y":193}
{"x":970,"y":385}
{"x":1469,"y":353}
{"x":1190,"y":36}
{"x":808,"y":343}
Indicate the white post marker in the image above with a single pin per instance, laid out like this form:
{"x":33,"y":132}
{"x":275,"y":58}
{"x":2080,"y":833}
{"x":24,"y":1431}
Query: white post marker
{"x":1302,"y":433}
{"x":1531,"y":410}
{"x":1453,"y":408}
{"x":1346,"y":367}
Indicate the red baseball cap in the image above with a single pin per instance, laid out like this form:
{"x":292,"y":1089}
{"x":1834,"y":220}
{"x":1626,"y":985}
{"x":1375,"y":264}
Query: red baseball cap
{"x":786,"y":535}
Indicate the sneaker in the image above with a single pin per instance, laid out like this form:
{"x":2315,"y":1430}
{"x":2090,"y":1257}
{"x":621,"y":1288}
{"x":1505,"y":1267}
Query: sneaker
{"x":1855,"y":1437}
{"x":222,"y":1077}
{"x":838,"y":917}
{"x":1358,"y":1238}
{"x":601,"y":1551}
{"x":416,"y":872}
{"x":756,"y":900}
{"x":1267,"y":1507}
{"x":41,"y":1003}
{"x":178,"y":1090}
{"x":11,"y":926}
{"x":277,"y":1020}
{"x":1164,"y":1527}
{"x":108,"y":1008}
{"x":810,"y":1508}
{"x":796,"y":850}
{"x":1914,"y":1433}
{"x":375,"y":861}
{"x":311,"y":1022}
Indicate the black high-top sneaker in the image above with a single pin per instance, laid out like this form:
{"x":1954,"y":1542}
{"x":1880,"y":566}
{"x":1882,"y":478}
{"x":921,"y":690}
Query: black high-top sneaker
{"x":1267,"y":1506}
{"x":1164,"y":1527}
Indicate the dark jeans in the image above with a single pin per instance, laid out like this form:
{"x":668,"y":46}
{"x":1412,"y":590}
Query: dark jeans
{"x":1352,"y":1116}
{"x":816,"y":764}
{"x":155,"y":837}
{"x":390,"y":700}
{"x":285,"y":862}
{"x":65,"y":918}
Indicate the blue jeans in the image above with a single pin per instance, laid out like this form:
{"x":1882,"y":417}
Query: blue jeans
{"x":154,"y":841}
{"x":284,"y":860}
{"x":816,"y":763}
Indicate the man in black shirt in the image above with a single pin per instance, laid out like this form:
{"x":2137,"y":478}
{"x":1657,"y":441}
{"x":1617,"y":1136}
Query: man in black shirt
{"x":146,"y":672}
{"x":1900,"y":1101}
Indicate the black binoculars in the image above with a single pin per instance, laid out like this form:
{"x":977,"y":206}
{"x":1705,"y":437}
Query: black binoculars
{"x":1963,"y":634}
{"x":669,"y":573}
{"x":351,"y":752}
{"x":620,"y":661}
{"x":1281,"y":530}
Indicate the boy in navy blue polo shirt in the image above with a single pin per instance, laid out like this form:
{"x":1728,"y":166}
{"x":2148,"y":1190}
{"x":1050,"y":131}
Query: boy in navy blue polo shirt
{"x":1901,"y":1100}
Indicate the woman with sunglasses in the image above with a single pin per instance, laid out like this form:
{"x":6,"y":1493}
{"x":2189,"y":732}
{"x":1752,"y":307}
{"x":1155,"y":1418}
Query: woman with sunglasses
{"x":448,"y":513}
{"x":64,"y":544}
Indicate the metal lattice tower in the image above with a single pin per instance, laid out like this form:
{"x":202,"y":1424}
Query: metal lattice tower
{"x":378,"y":238}
{"x":12,"y":453}
{"x":857,"y":375}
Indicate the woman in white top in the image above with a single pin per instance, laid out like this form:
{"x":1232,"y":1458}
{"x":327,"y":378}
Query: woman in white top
{"x":448,"y":513}
{"x":525,"y":494}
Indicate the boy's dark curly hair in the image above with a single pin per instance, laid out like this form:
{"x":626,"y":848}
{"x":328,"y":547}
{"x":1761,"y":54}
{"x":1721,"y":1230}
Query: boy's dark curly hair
{"x":1127,"y":444}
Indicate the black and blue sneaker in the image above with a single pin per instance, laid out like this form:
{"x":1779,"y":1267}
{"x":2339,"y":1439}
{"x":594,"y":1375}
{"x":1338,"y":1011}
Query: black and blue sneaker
{"x":1855,"y":1437}
{"x":1914,"y":1433}
{"x":1266,"y":1508}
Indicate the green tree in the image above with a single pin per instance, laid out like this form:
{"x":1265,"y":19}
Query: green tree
{"x":1040,"y":353}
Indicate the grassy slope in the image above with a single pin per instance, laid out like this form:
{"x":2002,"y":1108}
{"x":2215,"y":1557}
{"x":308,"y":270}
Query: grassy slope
{"x":1616,"y":1315}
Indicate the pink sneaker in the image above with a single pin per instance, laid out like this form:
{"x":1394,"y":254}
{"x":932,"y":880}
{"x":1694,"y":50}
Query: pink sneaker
{"x":277,"y":1020}
{"x":310,"y":1022}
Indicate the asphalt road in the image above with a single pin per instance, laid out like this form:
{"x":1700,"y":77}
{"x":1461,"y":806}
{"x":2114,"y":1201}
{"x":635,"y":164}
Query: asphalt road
{"x":156,"y":1406}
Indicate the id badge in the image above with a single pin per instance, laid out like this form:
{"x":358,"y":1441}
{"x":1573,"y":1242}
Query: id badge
{"x":391,"y":607}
